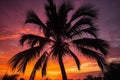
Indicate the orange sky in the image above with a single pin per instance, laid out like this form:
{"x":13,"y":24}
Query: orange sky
{"x":53,"y":70}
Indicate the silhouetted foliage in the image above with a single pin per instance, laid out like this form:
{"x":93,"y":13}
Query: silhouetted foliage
{"x":60,"y":34}
{"x":10,"y":77}
{"x":91,"y":77}
{"x":113,"y":71}
{"x":22,"y":79}
{"x":98,"y":78}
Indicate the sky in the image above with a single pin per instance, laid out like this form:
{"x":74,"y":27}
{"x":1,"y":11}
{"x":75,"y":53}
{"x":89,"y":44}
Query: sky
{"x":12,"y":17}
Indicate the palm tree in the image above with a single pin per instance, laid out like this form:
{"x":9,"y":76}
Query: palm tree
{"x":60,"y":35}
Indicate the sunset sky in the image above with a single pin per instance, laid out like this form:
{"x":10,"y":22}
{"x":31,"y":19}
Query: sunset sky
{"x":12,"y":17}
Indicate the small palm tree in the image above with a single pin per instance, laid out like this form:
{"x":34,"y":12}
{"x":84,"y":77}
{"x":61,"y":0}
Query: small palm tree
{"x":60,"y":34}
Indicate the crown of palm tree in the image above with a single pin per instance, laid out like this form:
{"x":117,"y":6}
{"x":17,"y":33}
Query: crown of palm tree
{"x":60,"y":34}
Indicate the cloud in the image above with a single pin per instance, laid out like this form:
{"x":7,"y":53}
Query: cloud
{"x":113,"y":59}
{"x":89,"y":64}
{"x":9,"y":37}
{"x":16,"y":32}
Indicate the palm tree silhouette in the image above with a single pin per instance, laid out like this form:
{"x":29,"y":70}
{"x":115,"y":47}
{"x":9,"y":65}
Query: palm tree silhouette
{"x":60,"y":34}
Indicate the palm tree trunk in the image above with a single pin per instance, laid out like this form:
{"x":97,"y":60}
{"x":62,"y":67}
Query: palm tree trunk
{"x":64,"y":76}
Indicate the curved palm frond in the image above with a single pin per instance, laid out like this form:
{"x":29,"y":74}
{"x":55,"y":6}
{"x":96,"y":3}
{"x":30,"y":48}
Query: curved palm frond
{"x":57,"y":20}
{"x":91,"y":30}
{"x":50,"y":10}
{"x":38,"y":65}
{"x":95,"y":55}
{"x":86,"y":10}
{"x":62,"y":13}
{"x":97,"y":44}
{"x":78,"y":26}
{"x":33,"y":39}
{"x":75,"y":58}
{"x":62,"y":17}
{"x":44,"y":67}
{"x":21,"y":59}
{"x":33,"y":18}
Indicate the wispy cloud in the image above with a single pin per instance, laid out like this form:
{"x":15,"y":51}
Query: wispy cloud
{"x":89,"y":64}
{"x":9,"y":37}
{"x":113,"y":59}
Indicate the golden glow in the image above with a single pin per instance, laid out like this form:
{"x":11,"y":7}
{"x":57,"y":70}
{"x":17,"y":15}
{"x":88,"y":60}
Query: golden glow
{"x":53,"y":70}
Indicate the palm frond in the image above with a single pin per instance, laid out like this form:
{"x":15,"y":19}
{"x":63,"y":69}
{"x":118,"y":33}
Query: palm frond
{"x":57,"y":19}
{"x":52,"y":5}
{"x":66,"y":28}
{"x":50,"y":10}
{"x":95,"y":55}
{"x":86,"y":10}
{"x":44,"y":67}
{"x":38,"y":65}
{"x":33,"y":18}
{"x":91,"y":31}
{"x":81,"y":22}
{"x":63,"y":11}
{"x":97,"y":44}
{"x":21,"y":59}
{"x":75,"y":58}
{"x":33,"y":39}
{"x":52,"y":18}
{"x":62,"y":17}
